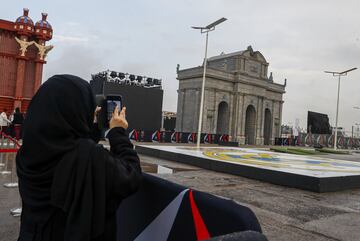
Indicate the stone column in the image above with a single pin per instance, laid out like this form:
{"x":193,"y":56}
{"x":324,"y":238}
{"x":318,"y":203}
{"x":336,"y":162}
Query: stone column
{"x":232,"y":114}
{"x":206,"y":122}
{"x":20,"y":76}
{"x":260,"y":121}
{"x":21,"y":67}
{"x":40,"y":60}
{"x":235,"y":116}
{"x":242,"y":120}
{"x":38,"y":69}
{"x":280,"y":117}
{"x":216,"y":110}
{"x":239,"y":116}
{"x":272,"y":139}
{"x":274,"y":127}
{"x":38,"y":74}
{"x":180,"y":110}
{"x":23,"y":28}
{"x":213,"y":111}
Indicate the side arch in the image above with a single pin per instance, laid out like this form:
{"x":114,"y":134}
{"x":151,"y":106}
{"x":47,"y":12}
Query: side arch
{"x":267,"y":127}
{"x":250,"y":125}
{"x":222,"y":125}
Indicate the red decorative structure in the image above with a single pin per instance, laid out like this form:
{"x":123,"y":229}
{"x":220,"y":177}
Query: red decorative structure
{"x":22,"y":55}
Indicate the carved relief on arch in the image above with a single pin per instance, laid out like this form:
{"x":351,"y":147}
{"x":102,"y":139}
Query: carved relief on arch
{"x":221,"y":96}
{"x":251,"y":101}
{"x":268,"y":104}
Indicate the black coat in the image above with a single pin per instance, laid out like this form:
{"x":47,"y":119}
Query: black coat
{"x":123,"y":176}
{"x":71,"y":186}
{"x":18,"y":118}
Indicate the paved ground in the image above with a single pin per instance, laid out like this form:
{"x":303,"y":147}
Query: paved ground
{"x":284,"y":213}
{"x":9,"y":198}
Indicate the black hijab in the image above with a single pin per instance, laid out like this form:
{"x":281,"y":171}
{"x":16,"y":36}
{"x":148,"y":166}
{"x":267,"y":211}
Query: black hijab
{"x":58,"y":164}
{"x":18,"y":116}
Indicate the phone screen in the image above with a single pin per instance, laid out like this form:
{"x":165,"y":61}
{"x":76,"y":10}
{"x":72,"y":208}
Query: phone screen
{"x":111,"y":104}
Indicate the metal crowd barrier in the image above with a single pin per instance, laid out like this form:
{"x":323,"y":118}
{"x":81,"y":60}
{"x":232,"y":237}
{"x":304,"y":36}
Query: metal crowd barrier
{"x":316,"y":140}
{"x":9,"y":145}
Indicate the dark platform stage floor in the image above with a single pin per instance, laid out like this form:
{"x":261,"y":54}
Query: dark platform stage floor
{"x":312,"y":173}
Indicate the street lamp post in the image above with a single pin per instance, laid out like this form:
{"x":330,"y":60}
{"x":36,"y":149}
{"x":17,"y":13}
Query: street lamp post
{"x":206,"y":30}
{"x":338,"y":74}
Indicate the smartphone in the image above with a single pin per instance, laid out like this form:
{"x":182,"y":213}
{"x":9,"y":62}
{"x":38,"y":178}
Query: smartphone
{"x":111,"y":103}
{"x":107,"y":104}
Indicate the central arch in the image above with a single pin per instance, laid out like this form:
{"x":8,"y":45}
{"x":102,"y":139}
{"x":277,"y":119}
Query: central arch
{"x":250,"y":124}
{"x":222,"y":125}
{"x":267,"y":127}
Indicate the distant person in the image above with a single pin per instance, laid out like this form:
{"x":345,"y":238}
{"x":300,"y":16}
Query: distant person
{"x":18,"y":119}
{"x":71,"y":186}
{"x":4,"y":121}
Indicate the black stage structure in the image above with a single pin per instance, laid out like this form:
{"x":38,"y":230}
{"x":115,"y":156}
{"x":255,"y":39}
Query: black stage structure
{"x":141,"y":95}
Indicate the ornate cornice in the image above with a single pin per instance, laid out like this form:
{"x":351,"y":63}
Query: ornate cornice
{"x":232,"y":93}
{"x":197,"y":72}
{"x":14,"y":98}
{"x":7,"y":25}
{"x":40,"y":61}
{"x":22,"y":58}
{"x":8,"y":55}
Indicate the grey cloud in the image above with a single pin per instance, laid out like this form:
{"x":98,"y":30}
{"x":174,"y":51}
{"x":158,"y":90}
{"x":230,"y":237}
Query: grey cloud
{"x":76,"y":60}
{"x":297,"y":38}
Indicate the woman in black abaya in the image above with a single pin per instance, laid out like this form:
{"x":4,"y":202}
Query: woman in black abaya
{"x":70,"y":186}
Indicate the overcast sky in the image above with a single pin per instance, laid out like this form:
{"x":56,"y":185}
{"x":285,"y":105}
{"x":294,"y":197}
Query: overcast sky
{"x":300,"y":39}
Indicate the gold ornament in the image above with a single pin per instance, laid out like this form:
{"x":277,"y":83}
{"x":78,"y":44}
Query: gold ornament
{"x":23,"y":45}
{"x":43,"y":50}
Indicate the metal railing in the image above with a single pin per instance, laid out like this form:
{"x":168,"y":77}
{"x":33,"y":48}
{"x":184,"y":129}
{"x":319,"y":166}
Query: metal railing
{"x":9,"y":145}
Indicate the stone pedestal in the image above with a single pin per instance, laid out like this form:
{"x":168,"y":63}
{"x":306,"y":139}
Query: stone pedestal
{"x":241,"y":140}
{"x":260,"y":141}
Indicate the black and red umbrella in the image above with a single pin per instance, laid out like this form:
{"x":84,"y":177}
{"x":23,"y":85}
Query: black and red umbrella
{"x":163,"y":210}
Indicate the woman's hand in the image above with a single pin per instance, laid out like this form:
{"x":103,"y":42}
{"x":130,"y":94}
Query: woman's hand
{"x":97,"y":110}
{"x":118,"y":118}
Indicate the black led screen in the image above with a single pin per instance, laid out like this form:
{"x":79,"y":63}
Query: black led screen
{"x":318,"y":123}
{"x":143,"y":105}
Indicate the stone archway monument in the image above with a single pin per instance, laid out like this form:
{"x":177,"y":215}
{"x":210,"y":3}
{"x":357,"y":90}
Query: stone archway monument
{"x":238,"y":80}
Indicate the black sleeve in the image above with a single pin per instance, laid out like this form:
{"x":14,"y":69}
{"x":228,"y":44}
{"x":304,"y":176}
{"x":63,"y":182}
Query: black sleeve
{"x":123,"y":165}
{"x":95,"y":132}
